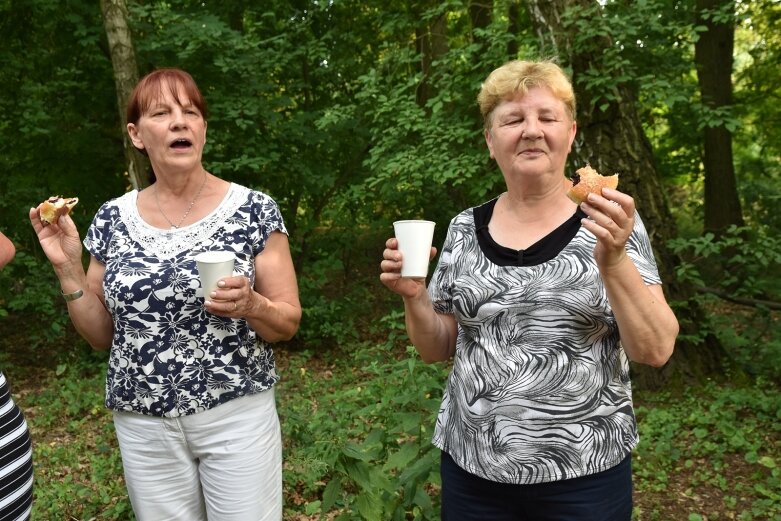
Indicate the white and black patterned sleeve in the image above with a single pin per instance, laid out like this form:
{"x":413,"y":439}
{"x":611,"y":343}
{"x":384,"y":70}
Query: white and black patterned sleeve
{"x":440,"y":288}
{"x":265,"y":218}
{"x":98,"y":236}
{"x":640,"y":251}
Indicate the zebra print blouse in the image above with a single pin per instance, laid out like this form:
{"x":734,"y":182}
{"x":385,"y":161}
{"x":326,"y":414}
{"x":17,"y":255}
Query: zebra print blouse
{"x":539,"y":389}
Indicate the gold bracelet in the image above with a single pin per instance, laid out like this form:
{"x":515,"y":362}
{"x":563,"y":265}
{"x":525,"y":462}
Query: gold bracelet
{"x":73,"y":296}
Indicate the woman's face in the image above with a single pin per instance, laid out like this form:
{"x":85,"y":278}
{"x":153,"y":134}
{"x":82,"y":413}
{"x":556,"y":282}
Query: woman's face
{"x":172,"y":134}
{"x":531,"y":134}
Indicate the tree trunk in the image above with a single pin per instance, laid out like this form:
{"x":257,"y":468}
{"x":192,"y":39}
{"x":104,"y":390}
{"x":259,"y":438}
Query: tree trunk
{"x":432,"y":44}
{"x":713,"y":57}
{"x":611,"y":138}
{"x":123,"y":59}
{"x":513,"y":26}
{"x":480,"y":12}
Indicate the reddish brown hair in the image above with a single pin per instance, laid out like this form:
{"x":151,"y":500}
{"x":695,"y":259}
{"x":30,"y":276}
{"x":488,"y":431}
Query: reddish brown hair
{"x":151,"y":87}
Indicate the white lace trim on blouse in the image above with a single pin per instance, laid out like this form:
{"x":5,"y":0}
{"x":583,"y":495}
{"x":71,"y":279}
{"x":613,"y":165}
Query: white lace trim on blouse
{"x":169,"y":243}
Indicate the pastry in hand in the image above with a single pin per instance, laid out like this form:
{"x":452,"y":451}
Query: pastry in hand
{"x":586,"y":181}
{"x":55,"y":207}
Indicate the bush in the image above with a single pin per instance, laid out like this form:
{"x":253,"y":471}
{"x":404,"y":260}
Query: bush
{"x":736,"y":276}
{"x":358,"y":427}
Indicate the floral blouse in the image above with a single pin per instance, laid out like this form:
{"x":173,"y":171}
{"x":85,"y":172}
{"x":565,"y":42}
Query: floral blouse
{"x":169,"y":356}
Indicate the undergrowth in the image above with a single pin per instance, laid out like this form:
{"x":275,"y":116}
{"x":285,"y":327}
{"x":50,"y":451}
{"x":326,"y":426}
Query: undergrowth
{"x":357,"y":424}
{"x":357,"y":419}
{"x":712,"y":453}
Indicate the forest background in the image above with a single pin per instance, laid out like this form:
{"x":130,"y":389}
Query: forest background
{"x":353,"y":114}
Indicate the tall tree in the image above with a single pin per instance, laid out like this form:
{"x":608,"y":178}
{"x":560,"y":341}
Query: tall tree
{"x":512,"y":27}
{"x":757,"y":145}
{"x":612,"y":139}
{"x":57,"y":119}
{"x":480,"y":12}
{"x":713,"y":53}
{"x":432,"y":44}
{"x":123,"y":60}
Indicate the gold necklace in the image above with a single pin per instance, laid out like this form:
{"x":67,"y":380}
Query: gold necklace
{"x":189,"y":208}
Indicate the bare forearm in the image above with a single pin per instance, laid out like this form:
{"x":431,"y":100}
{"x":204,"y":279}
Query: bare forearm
{"x":7,"y":250}
{"x":273,"y":321}
{"x":433,"y":335}
{"x":647,"y":325}
{"x":92,"y":321}
{"x":87,"y":312}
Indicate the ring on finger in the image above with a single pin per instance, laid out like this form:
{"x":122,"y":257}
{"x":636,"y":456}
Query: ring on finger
{"x":235,"y":306}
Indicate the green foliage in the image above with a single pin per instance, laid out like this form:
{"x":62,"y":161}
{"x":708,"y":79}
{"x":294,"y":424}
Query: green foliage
{"x":709,"y":436}
{"x":20,"y":293}
{"x":757,"y":145}
{"x":746,"y":258}
{"x":78,"y":471}
{"x":359,"y":431}
{"x":741,"y":266}
{"x":58,"y":115}
{"x":435,"y":145}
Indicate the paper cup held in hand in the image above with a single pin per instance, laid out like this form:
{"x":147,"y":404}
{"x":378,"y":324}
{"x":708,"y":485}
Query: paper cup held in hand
{"x":415,"y":246}
{"x":212,"y":266}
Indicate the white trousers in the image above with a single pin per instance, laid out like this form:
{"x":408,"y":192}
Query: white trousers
{"x":224,"y":464}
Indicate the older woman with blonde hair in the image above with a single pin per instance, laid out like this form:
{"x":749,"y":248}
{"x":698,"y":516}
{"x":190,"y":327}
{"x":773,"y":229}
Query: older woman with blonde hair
{"x":541,"y":303}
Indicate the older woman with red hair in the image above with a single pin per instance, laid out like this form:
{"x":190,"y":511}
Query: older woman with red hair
{"x":191,"y":376}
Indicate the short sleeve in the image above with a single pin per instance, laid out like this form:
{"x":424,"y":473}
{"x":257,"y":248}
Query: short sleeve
{"x":641,"y":252}
{"x":98,"y":237}
{"x":265,"y":218}
{"x":440,"y":288}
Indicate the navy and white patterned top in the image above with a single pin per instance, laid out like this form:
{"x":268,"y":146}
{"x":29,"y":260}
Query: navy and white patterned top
{"x":539,"y":389}
{"x":169,"y":356}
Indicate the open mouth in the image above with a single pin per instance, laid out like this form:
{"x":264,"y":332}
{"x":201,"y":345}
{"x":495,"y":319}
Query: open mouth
{"x":181,"y":144}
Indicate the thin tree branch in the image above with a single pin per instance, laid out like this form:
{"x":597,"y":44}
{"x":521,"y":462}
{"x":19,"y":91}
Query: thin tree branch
{"x":743,"y":301}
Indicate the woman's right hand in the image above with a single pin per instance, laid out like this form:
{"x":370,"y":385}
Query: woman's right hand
{"x":432,"y":334}
{"x":391,"y":272}
{"x":60,"y":242}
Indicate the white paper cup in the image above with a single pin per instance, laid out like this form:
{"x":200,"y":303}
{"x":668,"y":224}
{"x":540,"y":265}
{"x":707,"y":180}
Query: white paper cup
{"x":212,"y":266}
{"x":415,"y":246}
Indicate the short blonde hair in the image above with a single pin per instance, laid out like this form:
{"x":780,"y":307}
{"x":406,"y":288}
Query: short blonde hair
{"x":517,"y":77}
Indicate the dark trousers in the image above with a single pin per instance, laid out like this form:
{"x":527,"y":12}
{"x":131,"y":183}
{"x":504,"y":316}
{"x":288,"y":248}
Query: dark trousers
{"x":605,"y":496}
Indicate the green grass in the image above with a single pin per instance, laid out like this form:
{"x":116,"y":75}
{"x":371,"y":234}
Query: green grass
{"x":78,"y":469}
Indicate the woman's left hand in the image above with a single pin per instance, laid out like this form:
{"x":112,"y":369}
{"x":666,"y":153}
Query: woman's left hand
{"x":611,"y":220}
{"x":233,"y":298}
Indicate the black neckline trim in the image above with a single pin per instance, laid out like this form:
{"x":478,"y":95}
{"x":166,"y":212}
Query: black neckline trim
{"x":541,"y":251}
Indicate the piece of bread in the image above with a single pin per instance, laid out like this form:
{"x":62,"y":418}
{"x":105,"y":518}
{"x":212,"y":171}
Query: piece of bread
{"x":587,"y":180}
{"x":54,"y":207}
